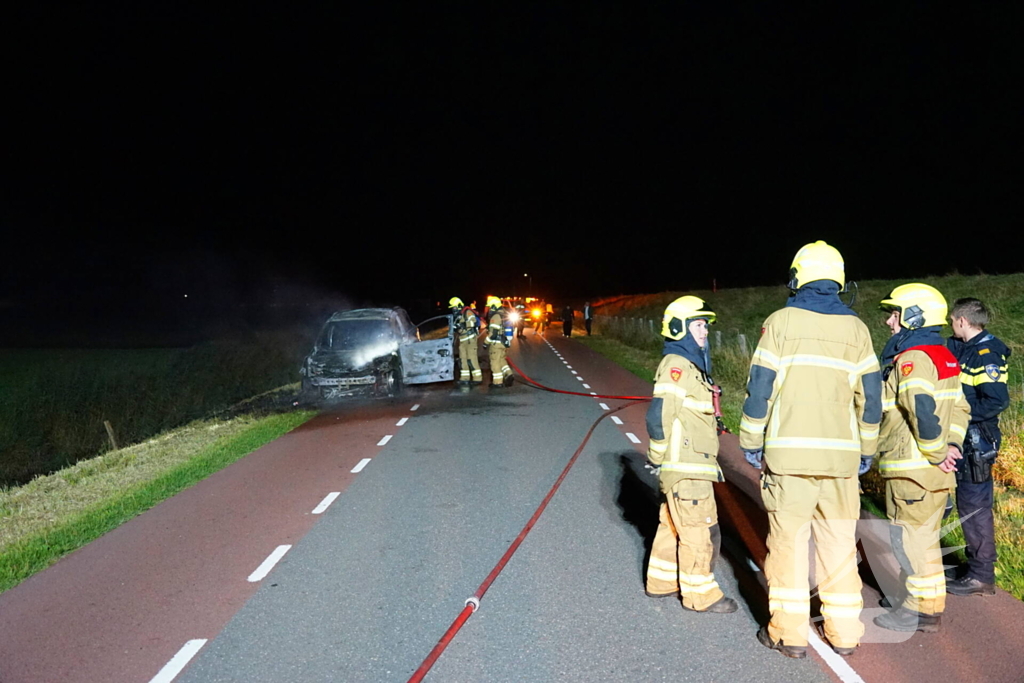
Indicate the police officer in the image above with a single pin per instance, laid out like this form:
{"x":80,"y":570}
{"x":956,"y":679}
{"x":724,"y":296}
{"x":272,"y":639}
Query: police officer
{"x":923,"y":426}
{"x":684,"y":447}
{"x":982,"y":358}
{"x":467,"y":328}
{"x":811,"y":417}
{"x":497,"y":343}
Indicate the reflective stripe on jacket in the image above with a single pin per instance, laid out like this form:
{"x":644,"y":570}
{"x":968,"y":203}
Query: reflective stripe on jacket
{"x":813,"y":394}
{"x":681,"y":424}
{"x":923,"y":415}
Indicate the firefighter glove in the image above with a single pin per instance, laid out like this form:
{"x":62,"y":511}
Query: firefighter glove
{"x":652,"y":468}
{"x":865,"y":464}
{"x":754,"y":457}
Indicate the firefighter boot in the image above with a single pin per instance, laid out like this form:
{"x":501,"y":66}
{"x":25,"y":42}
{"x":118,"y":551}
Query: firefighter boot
{"x":723,"y":606}
{"x":908,"y":621}
{"x":792,"y":651}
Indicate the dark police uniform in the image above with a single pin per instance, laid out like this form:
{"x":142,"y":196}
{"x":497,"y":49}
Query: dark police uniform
{"x":983,"y":375}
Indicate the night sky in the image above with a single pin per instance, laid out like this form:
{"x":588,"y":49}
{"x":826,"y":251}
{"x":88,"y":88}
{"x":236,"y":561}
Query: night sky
{"x":258,"y":155}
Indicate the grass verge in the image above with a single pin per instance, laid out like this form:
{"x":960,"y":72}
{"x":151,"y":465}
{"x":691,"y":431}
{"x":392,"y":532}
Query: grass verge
{"x":730,"y":371}
{"x":56,"y":514}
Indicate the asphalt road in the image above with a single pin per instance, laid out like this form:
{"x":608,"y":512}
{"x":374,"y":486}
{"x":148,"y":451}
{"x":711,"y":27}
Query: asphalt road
{"x":384,"y":517}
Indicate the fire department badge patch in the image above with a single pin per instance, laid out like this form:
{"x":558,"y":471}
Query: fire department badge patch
{"x":906,"y":368}
{"x":676,"y":374}
{"x":992,"y":371}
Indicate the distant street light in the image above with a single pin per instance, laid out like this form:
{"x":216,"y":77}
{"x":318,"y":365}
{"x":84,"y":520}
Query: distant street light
{"x":529,"y":290}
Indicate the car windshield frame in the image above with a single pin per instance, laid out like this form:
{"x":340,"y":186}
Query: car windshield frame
{"x":355,"y":334}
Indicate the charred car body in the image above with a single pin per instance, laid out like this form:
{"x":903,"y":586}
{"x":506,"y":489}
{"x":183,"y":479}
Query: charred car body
{"x":375,"y":351}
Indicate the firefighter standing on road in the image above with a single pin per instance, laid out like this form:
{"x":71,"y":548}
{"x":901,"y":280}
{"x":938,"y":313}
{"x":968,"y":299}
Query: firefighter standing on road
{"x":921,"y":439}
{"x":497,"y":343}
{"x":684,"y":447}
{"x":467,"y":327}
{"x":811,"y":416}
{"x":982,"y":358}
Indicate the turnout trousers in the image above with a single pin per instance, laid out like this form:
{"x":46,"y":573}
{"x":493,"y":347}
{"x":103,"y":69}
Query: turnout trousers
{"x":686,"y":546}
{"x":499,"y":366}
{"x":469,"y":362}
{"x":828,"y":507}
{"x":915,"y":517}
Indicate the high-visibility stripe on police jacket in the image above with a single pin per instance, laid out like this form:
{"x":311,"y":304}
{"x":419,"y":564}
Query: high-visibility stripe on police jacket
{"x":681,"y":423}
{"x":813,"y":394}
{"x":925,"y":412}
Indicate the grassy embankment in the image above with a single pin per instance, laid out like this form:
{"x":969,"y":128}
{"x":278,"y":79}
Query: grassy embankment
{"x":57,"y":513}
{"x":53,"y":402}
{"x":741,"y":311}
{"x":189,"y":412}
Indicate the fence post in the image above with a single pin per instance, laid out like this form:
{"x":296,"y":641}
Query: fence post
{"x":743,"y":344}
{"x":718,"y":338}
{"x":110,"y":434}
{"x":651,"y":326}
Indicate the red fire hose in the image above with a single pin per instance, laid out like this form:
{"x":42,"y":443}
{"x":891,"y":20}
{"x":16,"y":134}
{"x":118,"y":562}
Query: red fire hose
{"x":473,"y":602}
{"x":572,"y":393}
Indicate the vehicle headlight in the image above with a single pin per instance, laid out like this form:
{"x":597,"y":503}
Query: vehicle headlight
{"x":536,"y":312}
{"x":514,"y":317}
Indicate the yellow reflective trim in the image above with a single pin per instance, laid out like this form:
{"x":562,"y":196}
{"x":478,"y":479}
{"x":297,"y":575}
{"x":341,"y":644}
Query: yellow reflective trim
{"x":840,"y":612}
{"x":927,"y":580}
{"x":789,"y":606}
{"x":866,"y":434}
{"x":932,"y":445}
{"x":766,"y":358}
{"x":666,"y":565}
{"x":917,"y":383}
{"x":812,"y":442}
{"x":691,"y":467}
{"x":917,"y":463}
{"x":847,"y":599}
{"x":815,"y":361}
{"x":749,"y":424}
{"x":702,"y":406}
{"x":867,"y":365}
{"x":888,"y":404}
{"x":662,"y":575}
{"x":700,"y":590}
{"x":983,"y":379}
{"x":958,"y":430}
{"x":696,"y":579}
{"x":669,"y":388}
{"x":659,"y":448}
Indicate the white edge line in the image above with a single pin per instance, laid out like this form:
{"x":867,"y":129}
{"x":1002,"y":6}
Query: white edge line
{"x":179,"y":661}
{"x":604,"y":406}
{"x":384,"y":440}
{"x":401,"y":422}
{"x":632,"y":437}
{"x":839,"y":665}
{"x":359,"y":468}
{"x":616,"y":419}
{"x":415,"y":407}
{"x":268,"y":564}
{"x":326,"y":502}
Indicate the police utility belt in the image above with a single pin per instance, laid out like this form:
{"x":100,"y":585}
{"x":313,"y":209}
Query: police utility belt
{"x":980,"y":451}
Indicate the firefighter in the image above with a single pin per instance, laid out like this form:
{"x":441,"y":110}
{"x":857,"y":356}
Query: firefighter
{"x":982,"y":358}
{"x":923,"y":428}
{"x":811,"y":419}
{"x":497,"y":343}
{"x":467,"y":328}
{"x":684,"y":450}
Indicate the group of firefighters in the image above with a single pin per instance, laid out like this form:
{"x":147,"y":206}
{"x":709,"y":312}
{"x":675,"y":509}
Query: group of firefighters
{"x":467,"y":328}
{"x":819,"y":409}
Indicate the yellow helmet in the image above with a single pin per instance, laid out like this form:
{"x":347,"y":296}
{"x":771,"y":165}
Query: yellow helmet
{"x":493,"y":302}
{"x":920,"y":305}
{"x":673,"y":324}
{"x":817,"y":261}
{"x":455,"y":302}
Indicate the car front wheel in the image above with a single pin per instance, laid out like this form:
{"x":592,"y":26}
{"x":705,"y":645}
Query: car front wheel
{"x":389,"y":384}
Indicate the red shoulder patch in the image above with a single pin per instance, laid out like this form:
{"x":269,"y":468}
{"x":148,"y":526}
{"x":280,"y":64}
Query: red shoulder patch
{"x":943,"y":359}
{"x":906,"y":368}
{"x":762,"y":331}
{"x":676,"y":374}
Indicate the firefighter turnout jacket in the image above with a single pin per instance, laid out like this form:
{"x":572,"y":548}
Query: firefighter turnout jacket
{"x":814,"y":394}
{"x":681,"y":424}
{"x":467,"y":325}
{"x":925,"y":412}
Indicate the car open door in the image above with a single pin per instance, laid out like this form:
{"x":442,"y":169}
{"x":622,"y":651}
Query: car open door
{"x":430,"y":360}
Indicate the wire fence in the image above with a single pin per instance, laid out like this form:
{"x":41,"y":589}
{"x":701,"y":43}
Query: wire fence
{"x":645,"y":333}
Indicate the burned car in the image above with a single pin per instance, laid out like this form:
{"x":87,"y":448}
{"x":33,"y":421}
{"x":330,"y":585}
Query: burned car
{"x":375,"y":351}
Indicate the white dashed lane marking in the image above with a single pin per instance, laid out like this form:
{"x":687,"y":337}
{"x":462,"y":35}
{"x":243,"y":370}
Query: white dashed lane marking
{"x":326,"y":502}
{"x":268,"y":564}
{"x":384,"y":440}
{"x":616,"y":419}
{"x":359,"y":468}
{"x":179,"y":661}
{"x":401,"y":422}
{"x":586,"y":386}
{"x":604,"y":406}
{"x":415,"y":407}
{"x":579,"y":378}
{"x":593,"y":393}
{"x":632,"y":437}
